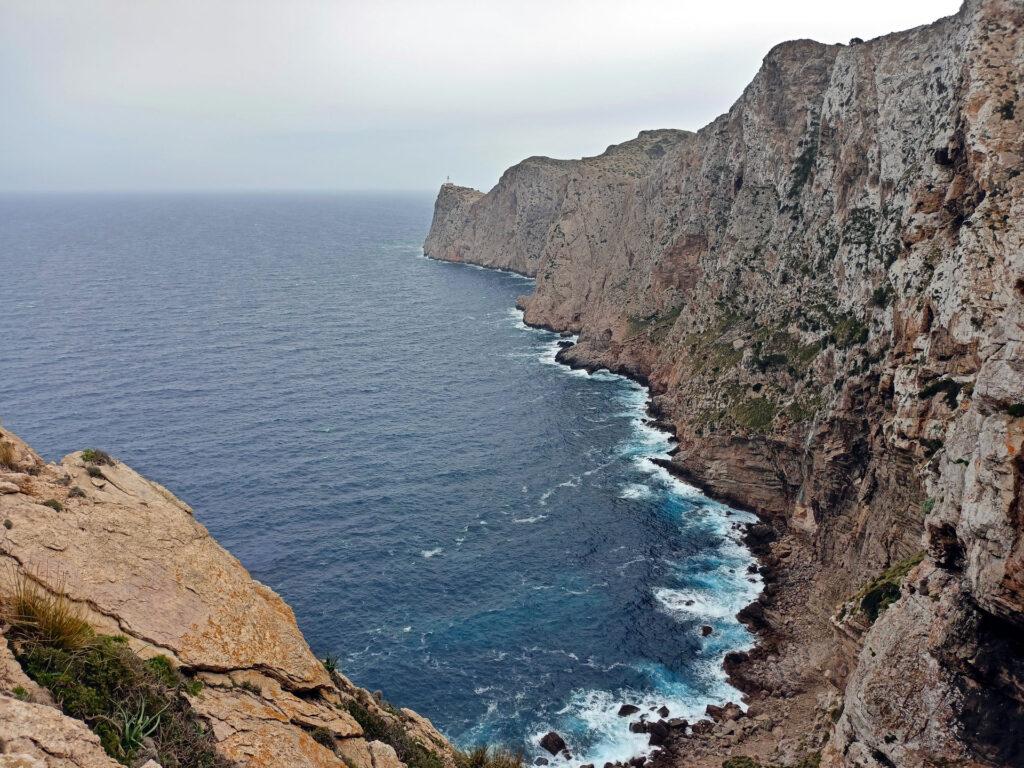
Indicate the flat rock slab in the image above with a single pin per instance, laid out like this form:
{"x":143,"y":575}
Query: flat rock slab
{"x":137,"y":556}
{"x":39,"y":736}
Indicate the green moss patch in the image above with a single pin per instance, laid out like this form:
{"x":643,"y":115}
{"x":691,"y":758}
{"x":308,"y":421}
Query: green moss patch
{"x":96,"y":456}
{"x":881,"y":296}
{"x":656,"y":325}
{"x":860,"y":227}
{"x":415,"y":755}
{"x":886,"y":589}
{"x":804,"y":408}
{"x":775,"y":347}
{"x":123,"y":699}
{"x":755,"y":414}
{"x":489,"y":757}
{"x":377,"y":728}
{"x":848,"y":330}
{"x":8,"y":455}
{"x":804,"y":166}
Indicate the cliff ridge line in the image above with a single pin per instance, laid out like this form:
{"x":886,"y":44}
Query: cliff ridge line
{"x":824,"y":288}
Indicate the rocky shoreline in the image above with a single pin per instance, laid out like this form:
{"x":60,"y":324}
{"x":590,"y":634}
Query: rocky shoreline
{"x":823,"y":288}
{"x":667,"y":734}
{"x":756,"y":537}
{"x":673,"y":736}
{"x":706,"y":742}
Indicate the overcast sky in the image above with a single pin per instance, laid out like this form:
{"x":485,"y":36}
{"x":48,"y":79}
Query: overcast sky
{"x":381,"y":94}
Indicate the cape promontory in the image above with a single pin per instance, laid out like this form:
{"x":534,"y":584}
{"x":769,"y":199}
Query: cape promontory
{"x":825,"y":290}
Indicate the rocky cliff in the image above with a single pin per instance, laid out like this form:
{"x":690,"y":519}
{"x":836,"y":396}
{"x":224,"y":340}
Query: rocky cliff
{"x":825,"y":290}
{"x":125,"y":556}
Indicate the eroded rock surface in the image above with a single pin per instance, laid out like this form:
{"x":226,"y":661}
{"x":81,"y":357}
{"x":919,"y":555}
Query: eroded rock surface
{"x":825,"y":290}
{"x":39,"y":736}
{"x":137,"y":563}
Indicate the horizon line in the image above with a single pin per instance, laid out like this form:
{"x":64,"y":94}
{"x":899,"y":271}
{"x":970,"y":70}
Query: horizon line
{"x":222,"y":191}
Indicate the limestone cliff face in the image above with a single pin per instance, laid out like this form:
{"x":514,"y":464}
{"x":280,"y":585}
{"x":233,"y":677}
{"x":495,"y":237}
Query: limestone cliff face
{"x":136,"y":562}
{"x":825,"y":290}
{"x":511,"y":227}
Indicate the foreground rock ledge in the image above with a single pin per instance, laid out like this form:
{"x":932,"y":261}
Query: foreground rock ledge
{"x":138,"y":564}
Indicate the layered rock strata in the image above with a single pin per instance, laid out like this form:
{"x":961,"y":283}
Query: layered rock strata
{"x":825,"y":290}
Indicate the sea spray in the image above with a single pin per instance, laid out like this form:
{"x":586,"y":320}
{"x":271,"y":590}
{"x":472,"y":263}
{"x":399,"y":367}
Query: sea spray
{"x":590,"y":718}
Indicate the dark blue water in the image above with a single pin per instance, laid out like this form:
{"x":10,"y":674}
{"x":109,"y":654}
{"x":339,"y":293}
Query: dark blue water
{"x":470,"y":527}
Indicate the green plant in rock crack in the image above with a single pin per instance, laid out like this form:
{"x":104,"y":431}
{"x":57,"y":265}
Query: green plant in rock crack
{"x":135,"y":725}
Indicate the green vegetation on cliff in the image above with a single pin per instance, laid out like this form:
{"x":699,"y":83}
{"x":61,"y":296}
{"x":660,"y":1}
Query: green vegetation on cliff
{"x":131,"y":704}
{"x":415,"y":755}
{"x":377,"y":728}
{"x":812,"y":760}
{"x":655,"y":325}
{"x":8,"y":457}
{"x":886,"y":589}
{"x":756,"y":414}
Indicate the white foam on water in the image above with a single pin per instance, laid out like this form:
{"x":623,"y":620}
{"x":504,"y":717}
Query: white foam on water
{"x":636,"y":491}
{"x":548,"y":355}
{"x":729,"y":588}
{"x":518,"y":315}
{"x":624,"y":567}
{"x":528,"y":520}
{"x":596,"y":712}
{"x":596,"y":469}
{"x":429,"y":553}
{"x":550,"y":348}
{"x":724,"y":589}
{"x":691,"y":604}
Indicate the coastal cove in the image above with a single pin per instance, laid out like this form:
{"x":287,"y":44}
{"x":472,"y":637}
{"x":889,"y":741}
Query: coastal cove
{"x":694,"y":438}
{"x":377,"y":493}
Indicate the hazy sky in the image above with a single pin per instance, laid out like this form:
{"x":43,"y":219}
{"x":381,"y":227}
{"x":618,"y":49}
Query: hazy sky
{"x":392,"y":94}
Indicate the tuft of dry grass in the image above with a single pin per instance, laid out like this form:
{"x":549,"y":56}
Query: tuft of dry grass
{"x":8,"y":455}
{"x":126,"y":701}
{"x":43,"y":616}
{"x":489,"y":757}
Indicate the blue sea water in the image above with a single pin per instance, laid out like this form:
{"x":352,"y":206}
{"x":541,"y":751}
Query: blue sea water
{"x":470,"y":527}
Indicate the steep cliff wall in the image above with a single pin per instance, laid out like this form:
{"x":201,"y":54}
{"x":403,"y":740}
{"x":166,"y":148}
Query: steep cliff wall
{"x":131,"y":560}
{"x":825,"y":290}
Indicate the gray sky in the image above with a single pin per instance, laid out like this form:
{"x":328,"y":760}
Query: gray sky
{"x":393,"y":94}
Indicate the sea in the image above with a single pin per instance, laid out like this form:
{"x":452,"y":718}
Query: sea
{"x":468,"y":526}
